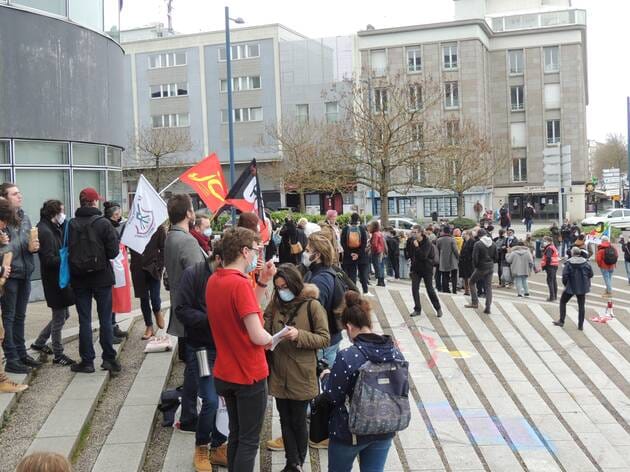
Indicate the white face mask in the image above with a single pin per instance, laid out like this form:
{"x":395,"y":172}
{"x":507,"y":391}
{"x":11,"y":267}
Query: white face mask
{"x":207,"y":232}
{"x":306,"y":259}
{"x":61,"y":217}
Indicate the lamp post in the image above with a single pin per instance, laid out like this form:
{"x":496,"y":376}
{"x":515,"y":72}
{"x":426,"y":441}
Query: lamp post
{"x":230,"y":111}
{"x":368,"y":82}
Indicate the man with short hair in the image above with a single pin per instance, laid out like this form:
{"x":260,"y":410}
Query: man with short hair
{"x":484,"y":255}
{"x":92,"y":242}
{"x":201,"y":231}
{"x":181,"y":251}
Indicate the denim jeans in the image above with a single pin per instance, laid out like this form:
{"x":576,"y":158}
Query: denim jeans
{"x":377,"y":261}
{"x":103,"y":297}
{"x":53,"y":330}
{"x":372,"y":455}
{"x":206,"y":423}
{"x":520,"y":282}
{"x":628,"y":270}
{"x":528,"y":225}
{"x":329,"y":353}
{"x":294,"y":429}
{"x":246,"y":406}
{"x":14,"y":302}
{"x":566,"y":246}
{"x":152,"y":301}
{"x":607,"y":275}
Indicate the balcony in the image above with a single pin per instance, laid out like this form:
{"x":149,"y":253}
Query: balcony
{"x":537,"y":20}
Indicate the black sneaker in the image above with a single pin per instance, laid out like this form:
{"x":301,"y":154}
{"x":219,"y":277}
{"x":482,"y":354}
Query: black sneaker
{"x":43,"y":349}
{"x":111,"y":365}
{"x":186,"y":427}
{"x":415,"y":313}
{"x":30,"y":362}
{"x":64,"y":360}
{"x":83,"y":368}
{"x":439,"y":313}
{"x":487,"y":311}
{"x":119,"y":333}
{"x":116,"y":340}
{"x":17,"y":367}
{"x":558,"y":323}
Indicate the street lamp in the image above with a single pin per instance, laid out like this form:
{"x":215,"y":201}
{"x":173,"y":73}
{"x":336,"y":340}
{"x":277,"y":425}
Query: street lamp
{"x":372,"y":195}
{"x":230,"y":111}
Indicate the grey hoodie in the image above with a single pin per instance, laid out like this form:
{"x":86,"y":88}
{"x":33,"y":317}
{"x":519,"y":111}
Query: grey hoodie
{"x":520,"y":260}
{"x":484,"y":254}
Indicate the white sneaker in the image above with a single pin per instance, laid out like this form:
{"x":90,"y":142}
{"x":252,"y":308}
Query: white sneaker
{"x":368,"y":294}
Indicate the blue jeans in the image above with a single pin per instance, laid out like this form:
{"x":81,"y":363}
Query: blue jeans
{"x":329,"y":353}
{"x":520,"y":281}
{"x":372,"y":455}
{"x":607,"y":274}
{"x":628,"y":270}
{"x":14,"y":302}
{"x":206,"y":423}
{"x":528,"y":225}
{"x":153,"y":300}
{"x":103,"y":297}
{"x":566,"y":246}
{"x":379,"y":266}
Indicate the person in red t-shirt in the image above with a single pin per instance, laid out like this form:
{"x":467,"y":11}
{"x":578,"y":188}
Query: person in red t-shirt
{"x":240,"y":368}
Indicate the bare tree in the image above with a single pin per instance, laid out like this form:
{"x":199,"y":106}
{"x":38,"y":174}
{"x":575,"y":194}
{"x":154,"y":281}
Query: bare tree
{"x":159,"y":147}
{"x":465,"y":160}
{"x":387,"y":133}
{"x":307,"y":148}
{"x":613,"y":154}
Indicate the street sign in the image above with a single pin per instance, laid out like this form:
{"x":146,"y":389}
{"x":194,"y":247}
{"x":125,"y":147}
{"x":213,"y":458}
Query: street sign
{"x":553,"y":162}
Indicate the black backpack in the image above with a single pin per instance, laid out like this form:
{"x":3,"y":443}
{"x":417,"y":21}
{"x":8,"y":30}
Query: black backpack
{"x":86,"y":250}
{"x":610,"y":255}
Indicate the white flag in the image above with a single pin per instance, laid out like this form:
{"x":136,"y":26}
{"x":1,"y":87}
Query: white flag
{"x":148,"y":212}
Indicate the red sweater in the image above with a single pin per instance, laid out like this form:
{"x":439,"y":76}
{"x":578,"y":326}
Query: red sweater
{"x":599,"y":257}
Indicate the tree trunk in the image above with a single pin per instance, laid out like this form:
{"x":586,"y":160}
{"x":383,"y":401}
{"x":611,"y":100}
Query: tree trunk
{"x":383,"y":191}
{"x":302,"y":201}
{"x":460,"y":204}
{"x":157,"y":174}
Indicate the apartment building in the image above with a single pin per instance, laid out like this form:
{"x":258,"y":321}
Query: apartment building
{"x":518,"y":70}
{"x":180,"y":81}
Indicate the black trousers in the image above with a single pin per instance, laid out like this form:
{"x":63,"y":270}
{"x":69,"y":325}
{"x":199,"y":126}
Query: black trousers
{"x":428,"y":285}
{"x":438,"y":279}
{"x":363,"y":270}
{"x":449,"y":278}
{"x":246,"y":406}
{"x":395,"y":263}
{"x":564,"y":299}
{"x":294,"y":429}
{"x":552,"y":282}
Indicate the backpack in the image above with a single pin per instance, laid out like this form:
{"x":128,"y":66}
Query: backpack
{"x":86,"y":253}
{"x":341,"y":284}
{"x":380,"y":400}
{"x":610,"y":255}
{"x":354,"y":237}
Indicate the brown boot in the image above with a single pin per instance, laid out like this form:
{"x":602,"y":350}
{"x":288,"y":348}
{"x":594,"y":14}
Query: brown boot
{"x":159,"y":319}
{"x":201,"y":460}
{"x":218,"y":455}
{"x":9,"y":386}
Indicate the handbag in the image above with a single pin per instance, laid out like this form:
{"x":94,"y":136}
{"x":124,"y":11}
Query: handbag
{"x":321,"y":408}
{"x":64,"y":264}
{"x":296,"y":248}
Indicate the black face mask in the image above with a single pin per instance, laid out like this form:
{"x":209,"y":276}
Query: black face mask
{"x":116,"y":223}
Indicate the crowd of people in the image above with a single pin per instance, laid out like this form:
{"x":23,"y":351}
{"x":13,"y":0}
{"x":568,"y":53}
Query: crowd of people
{"x":272,"y":314}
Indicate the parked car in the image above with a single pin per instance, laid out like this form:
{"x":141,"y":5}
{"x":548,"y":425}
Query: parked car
{"x":400,"y":223}
{"x":617,"y":217}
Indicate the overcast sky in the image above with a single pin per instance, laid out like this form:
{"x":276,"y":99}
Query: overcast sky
{"x":607,"y":36}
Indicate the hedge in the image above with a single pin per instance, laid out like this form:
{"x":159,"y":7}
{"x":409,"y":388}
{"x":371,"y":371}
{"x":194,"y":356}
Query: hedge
{"x":463,"y":223}
{"x":279,"y":216}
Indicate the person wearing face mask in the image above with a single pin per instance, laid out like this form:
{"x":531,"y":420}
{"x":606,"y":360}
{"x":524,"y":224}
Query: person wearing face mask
{"x":51,"y":229}
{"x":240,"y":370}
{"x":146,"y":275}
{"x":202,"y":232}
{"x":113,"y":213}
{"x":293,"y":379}
{"x":180,"y":252}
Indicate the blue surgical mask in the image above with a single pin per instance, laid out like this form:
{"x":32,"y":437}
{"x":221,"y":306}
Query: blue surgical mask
{"x":252,"y":265}
{"x":207,"y":232}
{"x":286,"y":295}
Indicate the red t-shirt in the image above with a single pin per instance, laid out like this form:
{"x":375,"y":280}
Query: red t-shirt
{"x":229,"y":298}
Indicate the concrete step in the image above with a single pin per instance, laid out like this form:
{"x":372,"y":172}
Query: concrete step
{"x":62,"y":430}
{"x":125,"y":447}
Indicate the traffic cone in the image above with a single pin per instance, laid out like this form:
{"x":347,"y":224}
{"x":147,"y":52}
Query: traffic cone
{"x":609,"y":310}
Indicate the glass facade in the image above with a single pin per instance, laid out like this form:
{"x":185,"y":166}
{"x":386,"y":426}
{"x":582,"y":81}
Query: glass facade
{"x":45,"y":170}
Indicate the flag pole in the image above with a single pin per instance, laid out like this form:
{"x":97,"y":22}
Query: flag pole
{"x":168,"y":186}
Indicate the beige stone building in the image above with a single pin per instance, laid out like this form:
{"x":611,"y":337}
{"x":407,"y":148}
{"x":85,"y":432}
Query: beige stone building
{"x":518,"y":70}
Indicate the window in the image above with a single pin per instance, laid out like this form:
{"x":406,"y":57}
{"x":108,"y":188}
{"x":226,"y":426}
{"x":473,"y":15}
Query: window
{"x":114,"y":157}
{"x":88,"y":178}
{"x":243,"y":114}
{"x":414,"y":60}
{"x":415,"y":97}
{"x":444,"y":206}
{"x":88,"y":154}
{"x":449,"y":56}
{"x":240,"y":51}
{"x":241,"y":83}
{"x":451,"y":95}
{"x":378,"y":62}
{"x":169,"y":90}
{"x":417,"y":135}
{"x":332,"y":111}
{"x":312,"y":199}
{"x":519,"y":170}
{"x":39,"y":185}
{"x":452,"y":130}
{"x":518,"y":132}
{"x":301,"y":112}
{"x":616,"y":214}
{"x":172,"y":120}
{"x":58,"y":7}
{"x":4,"y":152}
{"x":553,"y":131}
{"x":418,"y":173}
{"x":380,"y":100}
{"x":39,"y":152}
{"x":552,"y":59}
{"x":515,"y":58}
{"x":517,"y":98}
{"x":552,"y":96}
{"x":114,"y":185}
{"x":168,"y":59}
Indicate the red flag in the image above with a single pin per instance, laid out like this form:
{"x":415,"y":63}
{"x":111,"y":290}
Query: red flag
{"x":206,"y":178}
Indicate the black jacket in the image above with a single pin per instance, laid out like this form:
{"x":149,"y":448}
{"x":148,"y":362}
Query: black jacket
{"x":23,"y":262}
{"x":576,"y":276}
{"x":393,"y":246}
{"x":421,"y":256}
{"x":484,"y":254}
{"x":626,"y":251}
{"x":50,"y":241}
{"x":361,"y":250}
{"x":465,"y":259}
{"x":191,"y":305}
{"x":105,"y":231}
